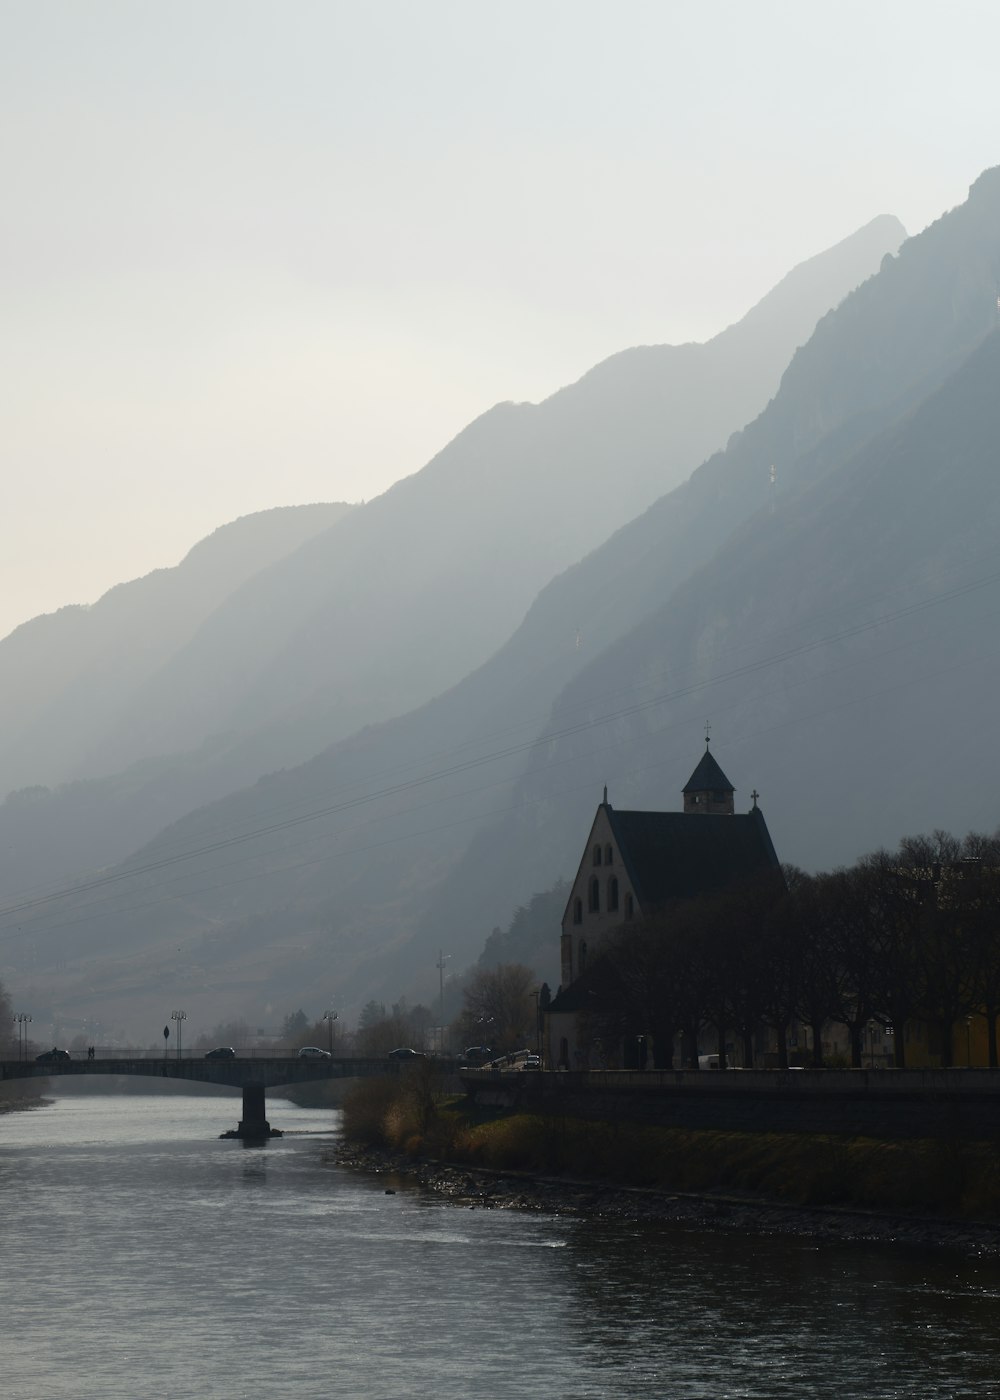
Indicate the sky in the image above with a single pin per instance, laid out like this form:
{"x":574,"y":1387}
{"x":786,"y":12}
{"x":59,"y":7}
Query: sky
{"x":259,"y":253}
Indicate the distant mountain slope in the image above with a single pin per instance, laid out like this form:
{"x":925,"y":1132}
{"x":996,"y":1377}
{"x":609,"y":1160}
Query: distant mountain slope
{"x":424,"y":583}
{"x":64,"y":674}
{"x":281,"y":908}
{"x":396,"y":600}
{"x":897,"y":338}
{"x":842,"y":646}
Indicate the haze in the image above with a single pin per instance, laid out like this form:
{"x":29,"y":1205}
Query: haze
{"x":259,"y":255}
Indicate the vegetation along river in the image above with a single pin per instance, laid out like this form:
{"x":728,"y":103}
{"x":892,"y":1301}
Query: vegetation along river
{"x":143,"y":1256}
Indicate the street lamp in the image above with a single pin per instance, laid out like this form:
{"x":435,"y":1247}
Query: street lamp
{"x":440,"y":967}
{"x":180,"y":1017}
{"x":23,"y":1021}
{"x":329,"y":1017}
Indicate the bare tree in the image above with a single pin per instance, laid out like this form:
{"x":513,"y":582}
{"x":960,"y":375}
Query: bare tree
{"x":499,"y":1007}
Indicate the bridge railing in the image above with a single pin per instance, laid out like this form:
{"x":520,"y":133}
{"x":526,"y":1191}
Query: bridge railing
{"x":131,"y":1052}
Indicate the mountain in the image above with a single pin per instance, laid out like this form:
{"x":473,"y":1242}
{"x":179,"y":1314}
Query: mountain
{"x":64,"y":673}
{"x":423,"y":583}
{"x":707,"y":637}
{"x":292,"y":913}
{"x":377,"y":613}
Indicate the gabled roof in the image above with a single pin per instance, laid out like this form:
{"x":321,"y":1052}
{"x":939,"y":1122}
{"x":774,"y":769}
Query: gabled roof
{"x":708,"y":777}
{"x":674,"y":855}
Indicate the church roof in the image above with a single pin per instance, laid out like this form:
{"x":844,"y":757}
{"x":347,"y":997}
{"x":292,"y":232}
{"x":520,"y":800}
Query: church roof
{"x":708,"y":777}
{"x":674,"y":855}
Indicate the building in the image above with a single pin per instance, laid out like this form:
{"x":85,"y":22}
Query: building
{"x":635,"y":865}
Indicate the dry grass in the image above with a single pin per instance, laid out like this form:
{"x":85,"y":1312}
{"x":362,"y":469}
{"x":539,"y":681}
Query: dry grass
{"x":927,"y":1176}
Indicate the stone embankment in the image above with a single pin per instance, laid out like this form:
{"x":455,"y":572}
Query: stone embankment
{"x":475,"y":1188}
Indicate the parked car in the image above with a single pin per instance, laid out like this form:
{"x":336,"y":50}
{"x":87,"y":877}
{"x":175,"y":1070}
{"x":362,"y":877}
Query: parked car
{"x":403,"y":1052}
{"x":477,"y":1055}
{"x":221,"y":1052}
{"x":48,"y":1057}
{"x":313,"y":1052}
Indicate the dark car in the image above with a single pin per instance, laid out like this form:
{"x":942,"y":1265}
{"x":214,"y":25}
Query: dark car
{"x":477,"y":1055}
{"x":53,"y":1056}
{"x":403,"y":1052}
{"x":221,"y":1052}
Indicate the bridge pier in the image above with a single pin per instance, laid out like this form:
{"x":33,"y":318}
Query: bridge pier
{"x":253,"y":1126}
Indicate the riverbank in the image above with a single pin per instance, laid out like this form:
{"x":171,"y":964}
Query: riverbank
{"x":940,"y":1192}
{"x":477,"y":1188}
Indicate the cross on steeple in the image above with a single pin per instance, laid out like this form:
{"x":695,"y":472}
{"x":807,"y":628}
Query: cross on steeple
{"x":708,"y":734}
{"x":755,"y":794}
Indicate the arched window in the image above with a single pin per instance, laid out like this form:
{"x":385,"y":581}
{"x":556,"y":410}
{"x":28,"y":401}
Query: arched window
{"x":578,"y":911}
{"x":609,"y":856}
{"x":613,"y":894}
{"x":583,"y":956}
{"x":629,"y":907}
{"x":594,"y":895}
{"x":597,"y":855}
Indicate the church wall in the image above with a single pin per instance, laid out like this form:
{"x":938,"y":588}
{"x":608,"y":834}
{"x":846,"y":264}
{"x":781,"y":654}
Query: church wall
{"x":580,"y":940}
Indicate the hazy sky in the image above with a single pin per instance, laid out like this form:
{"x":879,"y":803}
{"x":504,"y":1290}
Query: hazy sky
{"x":255,"y":253}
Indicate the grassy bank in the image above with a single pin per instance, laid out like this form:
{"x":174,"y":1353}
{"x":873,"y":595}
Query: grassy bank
{"x":955,"y":1179}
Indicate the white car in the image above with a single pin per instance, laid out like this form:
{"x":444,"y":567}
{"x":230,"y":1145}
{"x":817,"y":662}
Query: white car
{"x":313,"y":1052}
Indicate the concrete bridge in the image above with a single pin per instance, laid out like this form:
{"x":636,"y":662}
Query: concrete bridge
{"x":254,"y":1073}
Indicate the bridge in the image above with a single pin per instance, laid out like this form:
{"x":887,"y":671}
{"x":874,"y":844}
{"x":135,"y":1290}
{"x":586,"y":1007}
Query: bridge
{"x":254,"y":1073}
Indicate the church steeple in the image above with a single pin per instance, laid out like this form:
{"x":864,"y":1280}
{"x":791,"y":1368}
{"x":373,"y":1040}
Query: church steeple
{"x":708,"y":790}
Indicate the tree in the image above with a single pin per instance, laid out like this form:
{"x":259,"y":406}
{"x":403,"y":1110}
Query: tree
{"x":982,"y":917}
{"x":499,"y":1006}
{"x":8,"y":1040}
{"x":377,"y":1038}
{"x":371,"y":1014}
{"x":293,"y":1026}
{"x":817,"y":983}
{"x":848,"y":922}
{"x":237,"y":1033}
{"x":642,"y":991}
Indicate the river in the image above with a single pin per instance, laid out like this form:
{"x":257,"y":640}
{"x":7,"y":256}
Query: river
{"x":142,"y":1257}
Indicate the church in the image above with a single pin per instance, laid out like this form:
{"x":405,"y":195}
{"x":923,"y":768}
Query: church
{"x":636,"y":864}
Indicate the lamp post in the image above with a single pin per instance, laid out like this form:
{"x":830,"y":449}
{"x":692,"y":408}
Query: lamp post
{"x":180,"y":1017}
{"x":23,"y":1021}
{"x":440,"y":967}
{"x":329,"y":1017}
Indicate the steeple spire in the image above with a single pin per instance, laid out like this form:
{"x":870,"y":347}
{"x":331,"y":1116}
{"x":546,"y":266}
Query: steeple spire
{"x":708,"y":790}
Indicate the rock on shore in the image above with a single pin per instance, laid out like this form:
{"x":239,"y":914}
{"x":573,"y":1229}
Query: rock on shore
{"x":479,"y":1188}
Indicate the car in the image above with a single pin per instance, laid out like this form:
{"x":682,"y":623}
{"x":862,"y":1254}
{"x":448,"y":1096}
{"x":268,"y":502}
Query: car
{"x":477,"y":1054}
{"x":53,"y":1056}
{"x":403,"y":1052}
{"x":221,"y":1052}
{"x":313,"y":1052}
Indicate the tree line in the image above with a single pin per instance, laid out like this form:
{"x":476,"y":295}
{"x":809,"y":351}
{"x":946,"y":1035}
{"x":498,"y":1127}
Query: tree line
{"x":906,"y":938}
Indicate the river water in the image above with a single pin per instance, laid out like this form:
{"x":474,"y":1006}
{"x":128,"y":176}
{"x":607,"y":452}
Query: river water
{"x":144,"y":1257}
